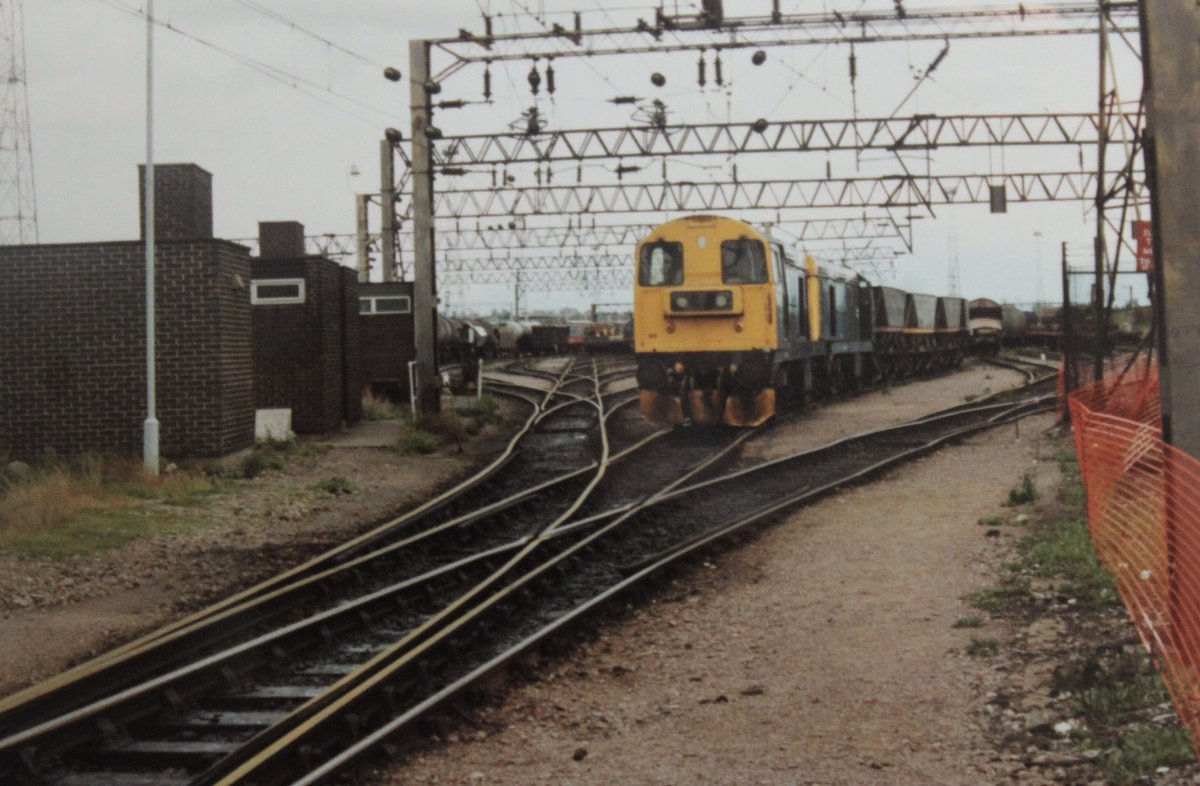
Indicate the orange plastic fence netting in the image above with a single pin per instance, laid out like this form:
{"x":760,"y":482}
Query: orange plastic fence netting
{"x":1143,"y":501}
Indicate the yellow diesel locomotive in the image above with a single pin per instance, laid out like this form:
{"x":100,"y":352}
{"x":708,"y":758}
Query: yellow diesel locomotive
{"x":728,"y":321}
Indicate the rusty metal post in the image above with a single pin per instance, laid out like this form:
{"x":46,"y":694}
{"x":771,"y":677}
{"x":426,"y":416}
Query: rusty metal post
{"x":1171,"y":59}
{"x":387,"y":209}
{"x":424,"y":281}
{"x":1101,"y":199}
{"x":361,"y":233}
{"x":1068,"y":334}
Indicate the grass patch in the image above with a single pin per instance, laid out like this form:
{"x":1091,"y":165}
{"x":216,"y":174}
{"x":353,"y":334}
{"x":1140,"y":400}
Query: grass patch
{"x":1011,"y":595}
{"x":256,"y":463}
{"x":968,"y":622}
{"x":183,"y":490}
{"x":1108,"y":683}
{"x":378,"y":407}
{"x":1064,"y":550}
{"x":104,"y":526}
{"x":484,"y":407}
{"x":416,"y":441}
{"x":1024,"y":493}
{"x":992,"y":521}
{"x":429,"y":432}
{"x":335,"y":486}
{"x":58,"y":508}
{"x":478,"y":414}
{"x":983,"y":648}
{"x":1140,"y":752}
{"x":447,"y":426}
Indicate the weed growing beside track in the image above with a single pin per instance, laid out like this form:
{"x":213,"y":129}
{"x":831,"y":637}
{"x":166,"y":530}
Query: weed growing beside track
{"x":58,"y":507}
{"x":1098,"y":713}
{"x":426,"y":434}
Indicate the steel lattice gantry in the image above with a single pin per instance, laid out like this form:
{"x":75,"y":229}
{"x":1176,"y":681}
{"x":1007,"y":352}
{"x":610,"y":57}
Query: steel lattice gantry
{"x":684,"y":33}
{"x":918,"y":132}
{"x":602,"y":271}
{"x":435,"y":155}
{"x":889,"y":191}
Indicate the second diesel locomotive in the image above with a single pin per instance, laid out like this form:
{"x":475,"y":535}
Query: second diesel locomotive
{"x":728,"y":322}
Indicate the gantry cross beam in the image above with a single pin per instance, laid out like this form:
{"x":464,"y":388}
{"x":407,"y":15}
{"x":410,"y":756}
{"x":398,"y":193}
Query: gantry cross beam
{"x":890,"y":191}
{"x":673,"y":34}
{"x":917,"y":132}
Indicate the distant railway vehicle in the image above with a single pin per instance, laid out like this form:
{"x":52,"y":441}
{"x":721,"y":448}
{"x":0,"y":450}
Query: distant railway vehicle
{"x":576,"y":331}
{"x":585,"y":335}
{"x":548,"y":339}
{"x":729,"y":322}
{"x":985,"y":321}
{"x":1013,"y":321}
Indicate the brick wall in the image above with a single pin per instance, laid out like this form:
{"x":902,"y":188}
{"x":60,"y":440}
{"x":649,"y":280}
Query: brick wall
{"x":72,"y":348}
{"x":305,"y":353}
{"x":387,"y":342}
{"x":351,"y":348}
{"x":183,"y":208}
{"x":280,"y":239}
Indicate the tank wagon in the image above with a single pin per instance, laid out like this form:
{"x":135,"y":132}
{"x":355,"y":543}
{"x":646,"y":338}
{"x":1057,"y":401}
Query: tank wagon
{"x":730,"y":323}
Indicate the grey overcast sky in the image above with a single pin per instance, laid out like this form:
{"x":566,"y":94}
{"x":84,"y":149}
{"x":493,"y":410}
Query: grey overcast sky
{"x":283,"y":148}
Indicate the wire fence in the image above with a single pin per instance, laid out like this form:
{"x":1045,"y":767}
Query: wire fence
{"x":1143,"y":500}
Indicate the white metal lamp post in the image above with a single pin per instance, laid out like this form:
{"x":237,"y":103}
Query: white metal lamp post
{"x":150,"y":427}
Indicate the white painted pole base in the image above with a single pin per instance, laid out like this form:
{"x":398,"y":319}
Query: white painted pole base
{"x":150,"y":445}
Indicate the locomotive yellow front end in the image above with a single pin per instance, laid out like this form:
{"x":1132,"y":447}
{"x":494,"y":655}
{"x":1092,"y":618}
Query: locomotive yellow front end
{"x":705,"y":323}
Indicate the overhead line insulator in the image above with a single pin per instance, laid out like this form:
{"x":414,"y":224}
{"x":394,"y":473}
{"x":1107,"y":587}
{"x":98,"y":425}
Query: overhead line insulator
{"x":535,"y":79}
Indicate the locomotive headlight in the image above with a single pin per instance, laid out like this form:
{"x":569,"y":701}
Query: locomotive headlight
{"x":681,"y":302}
{"x":721,"y":301}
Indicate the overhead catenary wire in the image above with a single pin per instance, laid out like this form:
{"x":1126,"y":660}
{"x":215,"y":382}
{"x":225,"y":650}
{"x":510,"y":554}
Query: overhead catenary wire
{"x":286,"y":78}
{"x":259,"y":8}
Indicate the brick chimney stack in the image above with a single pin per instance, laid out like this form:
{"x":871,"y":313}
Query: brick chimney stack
{"x":183,"y":202}
{"x":280,"y":240}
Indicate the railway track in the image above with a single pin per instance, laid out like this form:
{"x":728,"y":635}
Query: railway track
{"x":230,"y":656}
{"x":1032,"y":368}
{"x":403,"y":629}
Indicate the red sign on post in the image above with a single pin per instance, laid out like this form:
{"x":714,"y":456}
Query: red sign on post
{"x":1145,"y":246}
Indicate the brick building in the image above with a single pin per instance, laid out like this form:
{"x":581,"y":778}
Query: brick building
{"x":386,"y":328}
{"x":72,"y":337}
{"x":306,"y":332}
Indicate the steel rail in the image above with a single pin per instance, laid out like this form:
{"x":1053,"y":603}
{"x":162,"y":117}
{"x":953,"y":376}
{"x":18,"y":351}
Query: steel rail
{"x":308,"y":719}
{"x":222,"y":660}
{"x":106,"y":705}
{"x":555,"y":530}
{"x":78,"y":685}
{"x":638,"y":573}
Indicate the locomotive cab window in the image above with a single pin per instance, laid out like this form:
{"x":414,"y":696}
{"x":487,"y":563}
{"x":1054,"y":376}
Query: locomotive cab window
{"x":661,"y":265}
{"x":743,"y":261}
